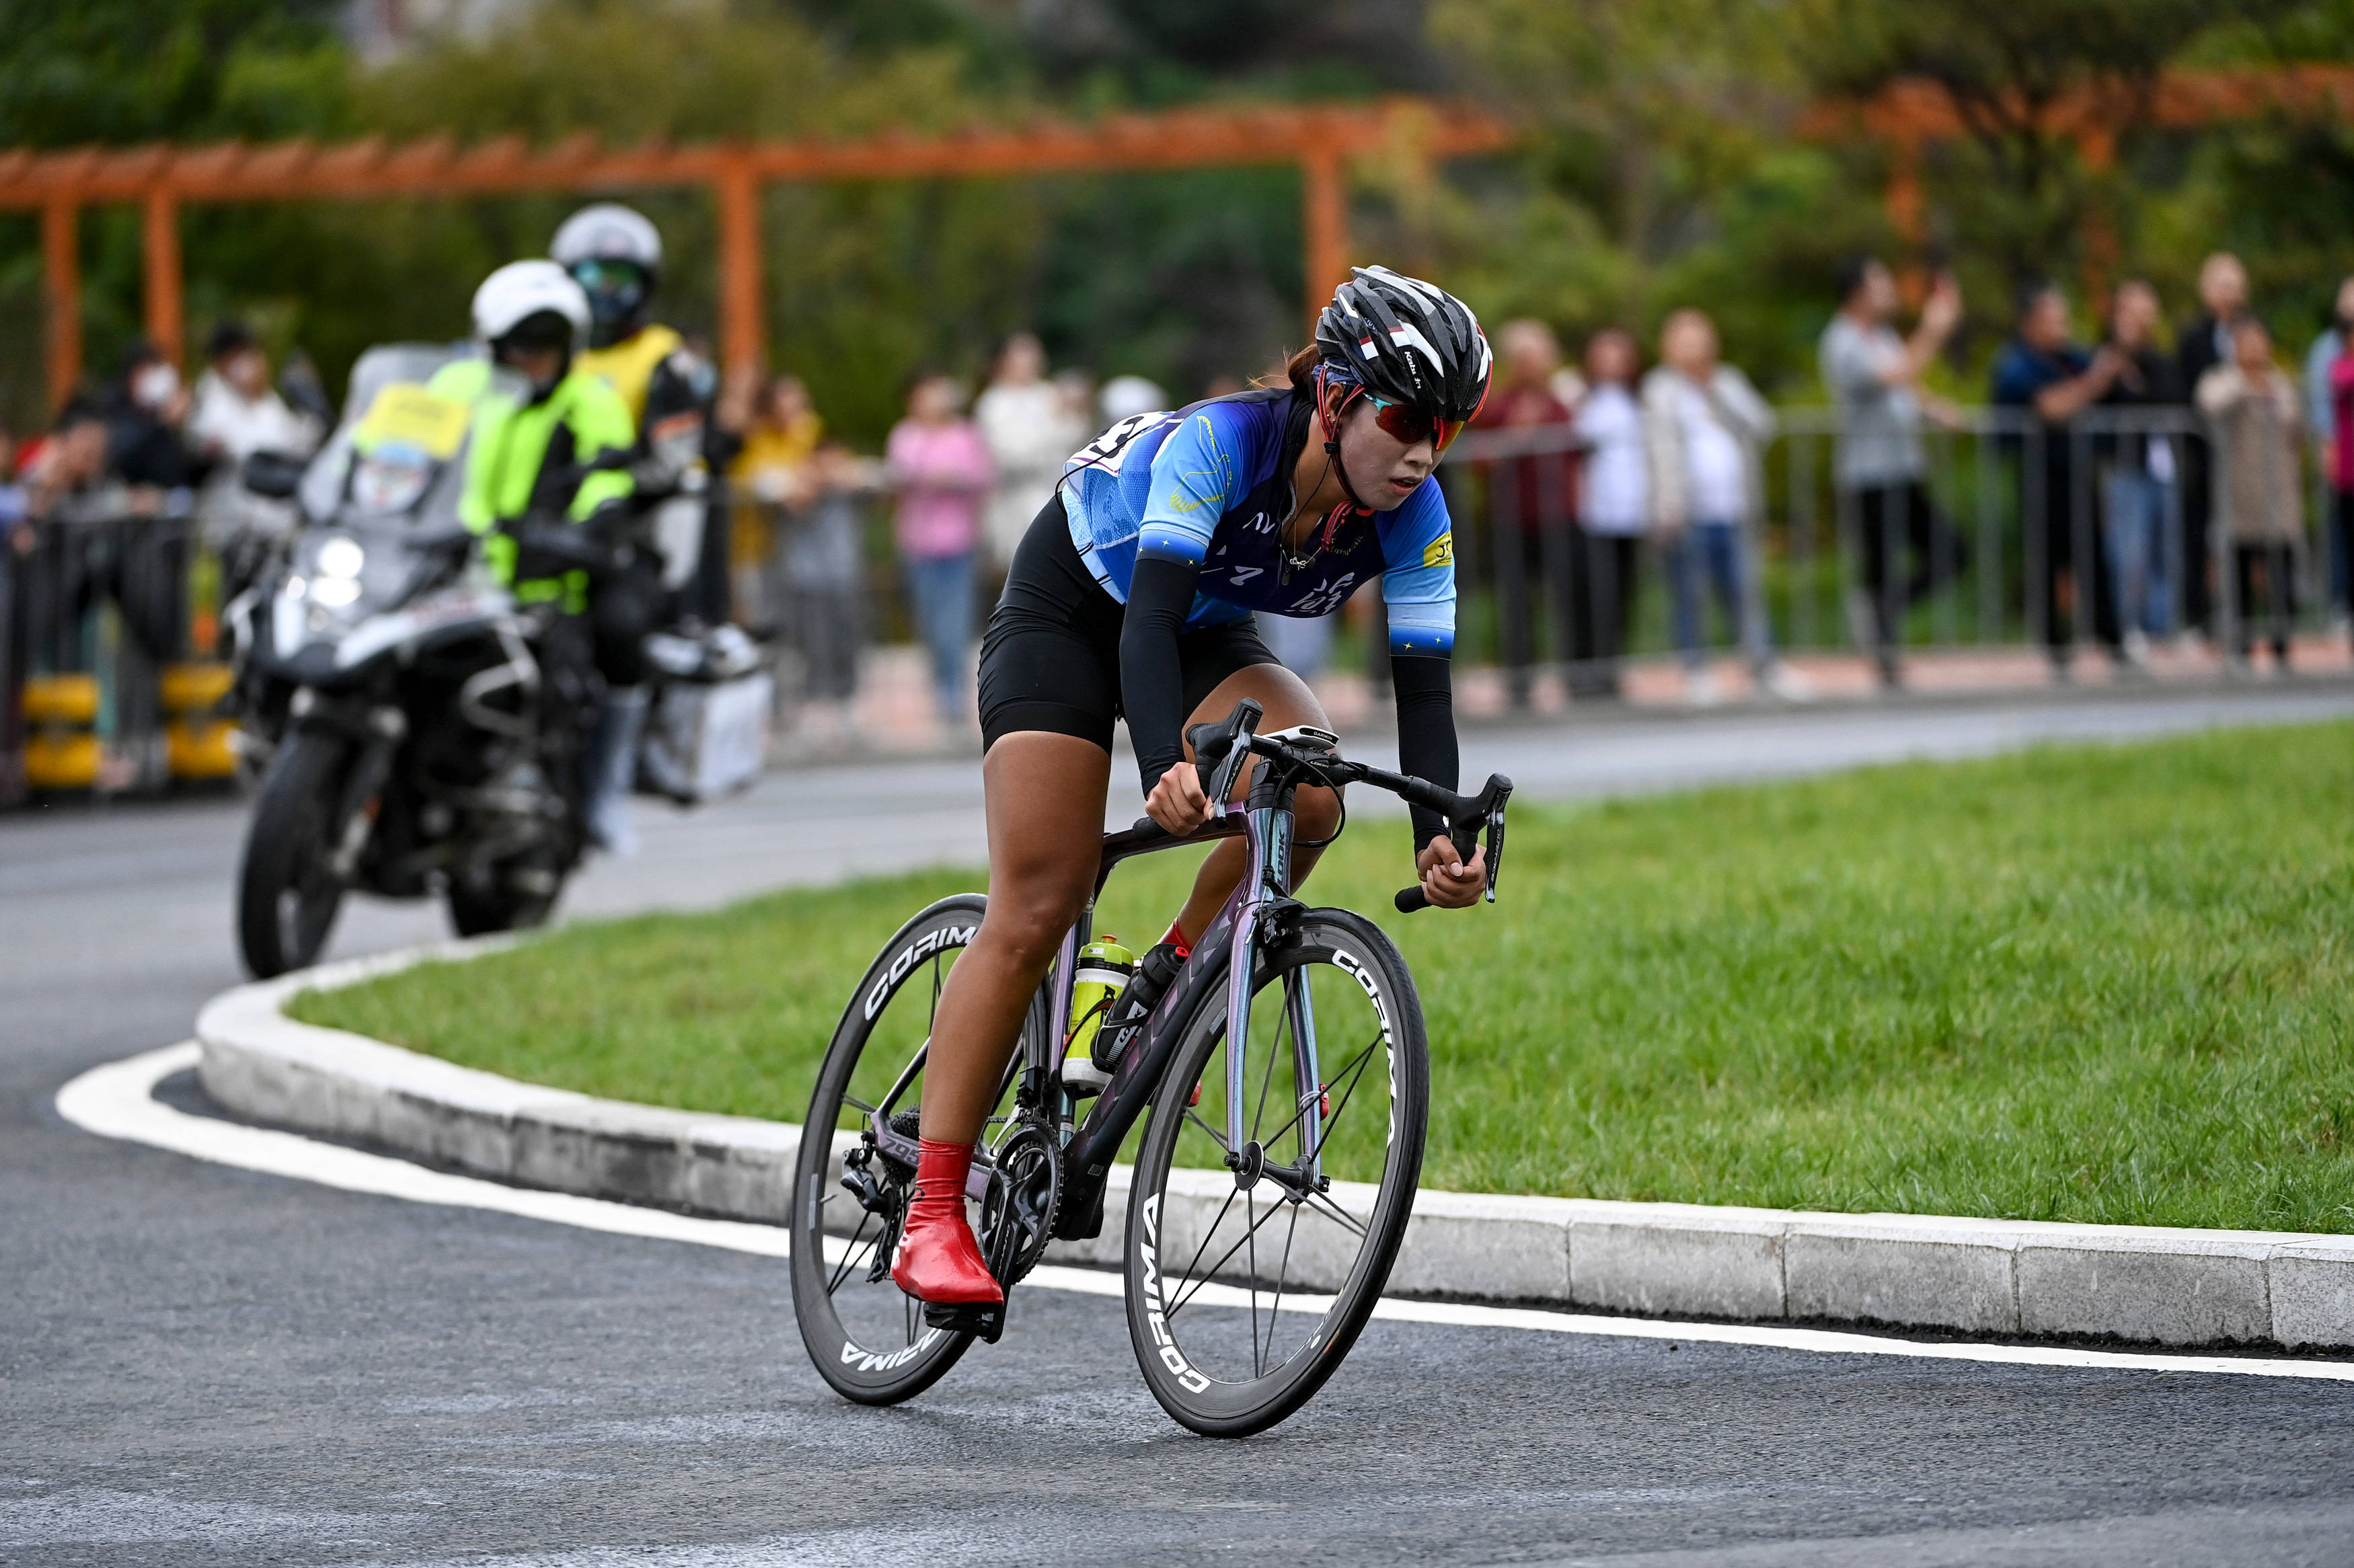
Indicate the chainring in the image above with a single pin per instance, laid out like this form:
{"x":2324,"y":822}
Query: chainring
{"x":1017,"y":1217}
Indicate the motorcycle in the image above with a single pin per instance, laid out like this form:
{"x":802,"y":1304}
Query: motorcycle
{"x":421,"y":735}
{"x":425,"y":744}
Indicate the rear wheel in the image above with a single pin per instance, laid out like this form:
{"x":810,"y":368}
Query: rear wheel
{"x":866,"y":1336}
{"x":288,"y":893}
{"x":1247,"y":1287}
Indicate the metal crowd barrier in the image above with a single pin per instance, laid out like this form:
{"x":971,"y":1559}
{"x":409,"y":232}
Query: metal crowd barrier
{"x":1994,"y":567}
{"x":107,"y":680}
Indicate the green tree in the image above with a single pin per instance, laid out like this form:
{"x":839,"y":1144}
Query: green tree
{"x":2020,"y":189}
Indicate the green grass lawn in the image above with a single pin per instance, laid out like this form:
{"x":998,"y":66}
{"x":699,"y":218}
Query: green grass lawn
{"x":2106,"y":984}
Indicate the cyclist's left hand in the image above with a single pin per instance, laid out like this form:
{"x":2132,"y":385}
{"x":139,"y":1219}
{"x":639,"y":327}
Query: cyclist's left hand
{"x":1177,"y":802}
{"x":1447,"y":880}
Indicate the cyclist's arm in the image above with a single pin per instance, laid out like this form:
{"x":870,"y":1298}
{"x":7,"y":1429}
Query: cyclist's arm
{"x":1418,"y":592}
{"x":1191,"y":475}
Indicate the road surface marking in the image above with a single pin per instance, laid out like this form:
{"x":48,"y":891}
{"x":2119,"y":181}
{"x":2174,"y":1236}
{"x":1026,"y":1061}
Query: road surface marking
{"x":118,"y":1100}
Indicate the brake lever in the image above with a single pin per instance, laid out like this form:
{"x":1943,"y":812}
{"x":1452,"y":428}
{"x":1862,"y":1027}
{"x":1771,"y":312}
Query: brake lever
{"x":1464,"y":834}
{"x":1501,"y":788}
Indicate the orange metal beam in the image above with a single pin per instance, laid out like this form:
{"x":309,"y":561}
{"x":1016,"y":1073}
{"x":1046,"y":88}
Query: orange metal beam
{"x":1314,"y":137}
{"x":741,"y":334}
{"x":2181,"y":99}
{"x":61,"y":281}
{"x":161,"y":238}
{"x":1324,"y":219}
{"x":435,"y":167}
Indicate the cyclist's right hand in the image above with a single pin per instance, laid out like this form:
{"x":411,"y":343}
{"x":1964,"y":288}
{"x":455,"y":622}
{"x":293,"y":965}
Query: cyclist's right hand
{"x":1177,"y":802}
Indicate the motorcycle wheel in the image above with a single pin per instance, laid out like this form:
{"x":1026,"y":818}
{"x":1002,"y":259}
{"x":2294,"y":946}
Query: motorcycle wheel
{"x":477,"y":910}
{"x":286,"y":894}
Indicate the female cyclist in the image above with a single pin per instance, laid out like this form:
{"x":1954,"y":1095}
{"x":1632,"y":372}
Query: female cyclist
{"x":1134,"y":592}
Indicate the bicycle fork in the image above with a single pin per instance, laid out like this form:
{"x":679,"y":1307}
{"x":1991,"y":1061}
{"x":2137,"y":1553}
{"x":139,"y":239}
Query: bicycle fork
{"x":1265,"y":889}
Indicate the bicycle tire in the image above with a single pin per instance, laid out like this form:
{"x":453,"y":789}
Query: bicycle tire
{"x":870,"y":1374}
{"x":1167,"y":1203}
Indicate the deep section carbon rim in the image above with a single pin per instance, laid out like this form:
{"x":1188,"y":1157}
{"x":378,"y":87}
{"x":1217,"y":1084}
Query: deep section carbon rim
{"x":1245,"y":1287}
{"x":866,"y":1336}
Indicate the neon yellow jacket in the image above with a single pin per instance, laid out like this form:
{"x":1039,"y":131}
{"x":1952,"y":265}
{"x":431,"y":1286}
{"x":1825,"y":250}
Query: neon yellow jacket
{"x":520,"y":461}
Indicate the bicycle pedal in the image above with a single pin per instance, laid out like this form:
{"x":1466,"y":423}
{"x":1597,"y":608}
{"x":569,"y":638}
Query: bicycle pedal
{"x":985,"y":1322}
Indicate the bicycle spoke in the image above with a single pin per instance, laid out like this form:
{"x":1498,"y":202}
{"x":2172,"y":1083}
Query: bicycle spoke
{"x":1281,"y":1270}
{"x":850,"y":1256}
{"x":850,"y":1099}
{"x":1249,"y":1209}
{"x":1335,"y":1213}
{"x":1230,"y":1252}
{"x":1267,"y":1079}
{"x":1352,"y":1071}
{"x":1215,"y":1136}
{"x":1198,"y":1251}
{"x":1354,"y":1075}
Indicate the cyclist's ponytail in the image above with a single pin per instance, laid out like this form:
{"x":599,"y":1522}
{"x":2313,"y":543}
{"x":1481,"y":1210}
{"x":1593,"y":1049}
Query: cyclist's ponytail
{"x":1298,"y":373}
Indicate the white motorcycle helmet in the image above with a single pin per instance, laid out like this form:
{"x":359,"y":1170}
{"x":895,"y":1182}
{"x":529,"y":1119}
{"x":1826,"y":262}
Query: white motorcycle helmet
{"x":615,"y":254}
{"x":537,"y":297}
{"x":521,"y":290}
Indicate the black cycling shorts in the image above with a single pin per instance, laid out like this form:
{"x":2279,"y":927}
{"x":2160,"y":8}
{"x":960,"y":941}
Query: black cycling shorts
{"x":1050,"y":659}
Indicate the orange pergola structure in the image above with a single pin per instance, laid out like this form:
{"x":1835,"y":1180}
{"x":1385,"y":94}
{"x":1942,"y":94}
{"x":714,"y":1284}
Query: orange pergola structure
{"x":1908,"y":115}
{"x":1319,"y":139}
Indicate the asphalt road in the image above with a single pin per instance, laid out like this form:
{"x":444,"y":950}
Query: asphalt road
{"x":201,"y":1365}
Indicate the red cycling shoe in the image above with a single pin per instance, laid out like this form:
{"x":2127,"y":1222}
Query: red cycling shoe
{"x":937,"y":1260}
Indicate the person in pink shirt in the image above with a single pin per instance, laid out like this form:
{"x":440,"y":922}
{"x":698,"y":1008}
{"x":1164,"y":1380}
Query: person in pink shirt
{"x":939,"y":466}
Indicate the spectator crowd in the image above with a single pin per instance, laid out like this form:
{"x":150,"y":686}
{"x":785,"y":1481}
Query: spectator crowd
{"x":2160,"y":484}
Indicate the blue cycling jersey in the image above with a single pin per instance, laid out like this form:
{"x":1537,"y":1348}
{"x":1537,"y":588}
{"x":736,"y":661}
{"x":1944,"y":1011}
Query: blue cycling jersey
{"x":1208,"y":486}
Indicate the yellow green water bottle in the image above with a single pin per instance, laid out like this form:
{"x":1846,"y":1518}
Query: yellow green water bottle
{"x":1102,"y":973}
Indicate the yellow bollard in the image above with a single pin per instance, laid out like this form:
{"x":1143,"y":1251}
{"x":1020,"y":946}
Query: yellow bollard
{"x":196,"y":742}
{"x":61,"y":743}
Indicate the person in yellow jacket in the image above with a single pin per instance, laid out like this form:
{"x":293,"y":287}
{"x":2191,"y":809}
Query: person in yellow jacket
{"x":533,"y":455}
{"x":687,"y":435}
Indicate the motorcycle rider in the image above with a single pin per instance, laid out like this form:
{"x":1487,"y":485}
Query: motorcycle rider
{"x":530,"y":458}
{"x":616,"y":256}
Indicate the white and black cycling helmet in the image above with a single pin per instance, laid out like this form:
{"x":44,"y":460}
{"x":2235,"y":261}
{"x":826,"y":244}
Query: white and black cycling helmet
{"x":1407,"y":342}
{"x":615,"y":254}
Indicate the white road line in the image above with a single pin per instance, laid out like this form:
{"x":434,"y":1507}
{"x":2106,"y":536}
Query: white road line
{"x":117,"y":1100}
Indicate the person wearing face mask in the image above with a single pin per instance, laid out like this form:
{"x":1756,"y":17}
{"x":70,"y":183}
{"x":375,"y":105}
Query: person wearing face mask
{"x":237,"y":414}
{"x":530,"y":458}
{"x":144,"y":413}
{"x":1134,"y":593}
{"x":689,"y":430}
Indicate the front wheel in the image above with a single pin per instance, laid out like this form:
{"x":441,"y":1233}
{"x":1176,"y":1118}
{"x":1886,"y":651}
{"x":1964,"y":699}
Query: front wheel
{"x":287,"y":892}
{"x":517,"y":897}
{"x":1252,"y":1267}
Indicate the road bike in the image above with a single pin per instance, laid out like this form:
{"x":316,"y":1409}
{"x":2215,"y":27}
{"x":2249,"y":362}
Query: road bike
{"x":1286,"y":1057}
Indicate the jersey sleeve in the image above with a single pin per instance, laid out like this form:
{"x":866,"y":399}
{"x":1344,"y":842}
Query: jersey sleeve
{"x":1419,"y":574}
{"x":1195,"y":475}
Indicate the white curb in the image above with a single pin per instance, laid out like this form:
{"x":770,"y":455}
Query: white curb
{"x":2137,"y":1283}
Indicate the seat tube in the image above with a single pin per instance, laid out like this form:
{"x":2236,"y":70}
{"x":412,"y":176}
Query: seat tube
{"x":1048,"y":1052}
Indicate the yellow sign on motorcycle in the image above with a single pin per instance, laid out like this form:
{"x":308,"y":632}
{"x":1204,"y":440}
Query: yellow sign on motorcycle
{"x":408,"y":415}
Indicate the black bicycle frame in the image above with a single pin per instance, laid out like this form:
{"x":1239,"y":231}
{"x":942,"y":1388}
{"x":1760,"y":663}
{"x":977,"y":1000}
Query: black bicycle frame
{"x":1228,"y":950}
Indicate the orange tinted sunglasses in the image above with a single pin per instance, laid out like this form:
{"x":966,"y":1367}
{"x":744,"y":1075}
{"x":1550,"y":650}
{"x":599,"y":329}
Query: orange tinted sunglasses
{"x":1404,"y":422}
